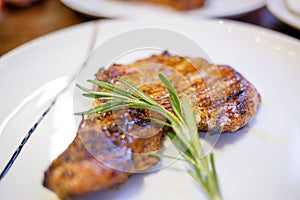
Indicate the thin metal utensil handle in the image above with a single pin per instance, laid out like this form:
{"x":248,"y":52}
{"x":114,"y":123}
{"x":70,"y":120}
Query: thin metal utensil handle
{"x":33,"y":128}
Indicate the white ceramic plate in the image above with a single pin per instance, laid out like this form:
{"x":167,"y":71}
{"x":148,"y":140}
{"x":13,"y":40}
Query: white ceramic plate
{"x":280,"y":10}
{"x":260,"y":161}
{"x":119,"y":8}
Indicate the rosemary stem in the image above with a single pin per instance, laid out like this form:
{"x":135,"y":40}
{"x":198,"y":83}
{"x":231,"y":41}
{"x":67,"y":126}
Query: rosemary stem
{"x":182,"y":120}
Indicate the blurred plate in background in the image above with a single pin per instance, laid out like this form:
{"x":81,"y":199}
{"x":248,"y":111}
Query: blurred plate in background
{"x":280,"y":10}
{"x":127,"y":9}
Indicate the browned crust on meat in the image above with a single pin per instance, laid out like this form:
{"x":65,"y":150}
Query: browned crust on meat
{"x":82,"y":167}
{"x":222,"y":99}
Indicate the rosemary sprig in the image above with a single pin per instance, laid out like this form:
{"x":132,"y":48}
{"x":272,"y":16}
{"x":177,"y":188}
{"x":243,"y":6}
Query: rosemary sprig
{"x":185,"y":132}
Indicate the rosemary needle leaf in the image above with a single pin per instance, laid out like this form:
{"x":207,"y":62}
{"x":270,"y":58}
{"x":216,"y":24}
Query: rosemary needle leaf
{"x":182,"y":148}
{"x":112,"y":88}
{"x":166,"y":156}
{"x":189,"y":115}
{"x":94,"y":96}
{"x":190,"y":121}
{"x":83,"y":88}
{"x":175,"y":102}
{"x":136,"y":90}
{"x":158,"y":121}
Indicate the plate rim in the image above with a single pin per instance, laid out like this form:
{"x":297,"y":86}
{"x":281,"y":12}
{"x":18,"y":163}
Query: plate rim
{"x":56,"y":33}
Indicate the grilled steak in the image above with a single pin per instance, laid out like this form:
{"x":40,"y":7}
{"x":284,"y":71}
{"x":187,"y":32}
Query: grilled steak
{"x":110,"y":147}
{"x":221,"y":96}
